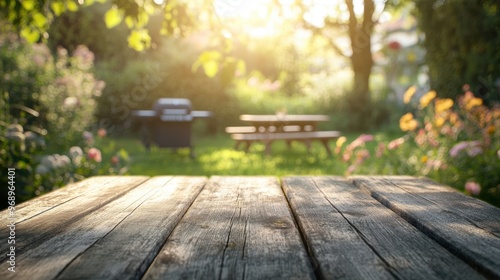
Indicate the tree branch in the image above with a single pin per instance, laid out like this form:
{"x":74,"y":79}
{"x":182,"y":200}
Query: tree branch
{"x":319,"y":31}
{"x":369,"y":9}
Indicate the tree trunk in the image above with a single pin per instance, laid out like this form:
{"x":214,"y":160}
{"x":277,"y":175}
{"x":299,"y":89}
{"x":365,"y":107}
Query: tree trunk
{"x":362,"y":63}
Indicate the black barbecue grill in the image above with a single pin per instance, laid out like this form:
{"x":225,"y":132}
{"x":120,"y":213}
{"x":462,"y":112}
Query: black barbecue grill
{"x":168,"y":125}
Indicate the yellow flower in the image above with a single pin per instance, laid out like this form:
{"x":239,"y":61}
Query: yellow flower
{"x":341,"y":141}
{"x":408,"y":94}
{"x":473,"y":102}
{"x":439,"y":121}
{"x":453,"y":118}
{"x":491,"y":129}
{"x":424,"y":159}
{"x":443,"y":105}
{"x":427,"y":98}
{"x":407,"y":122}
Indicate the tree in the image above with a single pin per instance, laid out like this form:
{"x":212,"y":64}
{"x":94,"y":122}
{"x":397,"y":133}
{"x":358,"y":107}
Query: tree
{"x":461,"y":39}
{"x":32,"y":18}
{"x":359,"y":30}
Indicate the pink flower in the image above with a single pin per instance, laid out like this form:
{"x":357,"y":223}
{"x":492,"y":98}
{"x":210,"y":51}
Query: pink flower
{"x":394,"y":144}
{"x":472,"y":188}
{"x":380,"y":150}
{"x":366,"y":137}
{"x":421,"y":137}
{"x":435,"y":164}
{"x":474,"y":151}
{"x":350,"y":169}
{"x":473,"y":148}
{"x":115,"y":160}
{"x":458,"y":148}
{"x":346,"y":156}
{"x":94,"y":154}
{"x":360,"y":141}
{"x":88,"y":136}
{"x":362,"y":155}
{"x":101,"y":132}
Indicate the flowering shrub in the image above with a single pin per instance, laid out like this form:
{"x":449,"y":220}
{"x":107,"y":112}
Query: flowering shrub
{"x":57,"y":170}
{"x":48,"y":105}
{"x":69,"y":101}
{"x":453,"y":142}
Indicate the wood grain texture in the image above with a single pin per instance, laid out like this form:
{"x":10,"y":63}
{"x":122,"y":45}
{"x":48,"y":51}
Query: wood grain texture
{"x":50,"y":256}
{"x":33,"y":207}
{"x":45,"y":224}
{"x":237,"y":228}
{"x":465,"y":226}
{"x":131,"y":246}
{"x":352,"y":235}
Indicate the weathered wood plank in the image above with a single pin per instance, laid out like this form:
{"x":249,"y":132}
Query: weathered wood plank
{"x":34,"y":207}
{"x":237,"y":228}
{"x":352,"y":235}
{"x":34,"y":230}
{"x":128,"y":250}
{"x":443,"y":216}
{"x":51,"y":256}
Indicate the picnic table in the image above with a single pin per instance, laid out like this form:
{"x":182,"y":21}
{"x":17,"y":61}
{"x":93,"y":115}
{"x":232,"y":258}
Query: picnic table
{"x":299,"y":227}
{"x":269,"y":128}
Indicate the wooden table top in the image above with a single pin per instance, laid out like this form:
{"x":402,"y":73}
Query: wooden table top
{"x":284,"y":118}
{"x":300,"y":227}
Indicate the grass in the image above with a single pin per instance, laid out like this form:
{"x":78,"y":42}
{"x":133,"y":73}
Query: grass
{"x":216,"y":156}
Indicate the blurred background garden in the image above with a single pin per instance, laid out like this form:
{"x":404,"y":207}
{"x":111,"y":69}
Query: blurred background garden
{"x":414,"y":86}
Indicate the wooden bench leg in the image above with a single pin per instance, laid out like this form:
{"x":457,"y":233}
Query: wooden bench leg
{"x":247,"y":146}
{"x":268,"y":147}
{"x":325,"y":144}
{"x":237,"y":145}
{"x":289,"y":144}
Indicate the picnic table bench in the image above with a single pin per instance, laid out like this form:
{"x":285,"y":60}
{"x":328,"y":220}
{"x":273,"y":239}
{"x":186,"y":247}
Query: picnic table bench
{"x":299,"y":227}
{"x":269,"y":128}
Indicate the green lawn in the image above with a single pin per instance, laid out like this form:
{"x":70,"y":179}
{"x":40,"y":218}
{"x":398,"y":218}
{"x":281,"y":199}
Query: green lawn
{"x":216,"y":156}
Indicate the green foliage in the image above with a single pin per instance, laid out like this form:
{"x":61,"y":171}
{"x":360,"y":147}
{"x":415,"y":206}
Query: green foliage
{"x":461,"y":39}
{"x":49,"y":105}
{"x":68,"y":101}
{"x":86,"y":27}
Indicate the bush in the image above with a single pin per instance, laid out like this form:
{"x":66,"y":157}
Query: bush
{"x":49,"y":105}
{"x":68,"y":102}
{"x":456,"y":143}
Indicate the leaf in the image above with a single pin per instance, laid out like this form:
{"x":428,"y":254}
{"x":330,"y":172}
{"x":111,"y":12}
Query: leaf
{"x":210,"y":68}
{"x":139,"y":40}
{"x":72,"y":6}
{"x":210,"y":61}
{"x":29,"y":5}
{"x":129,"y":21}
{"x":113,"y":17}
{"x":57,"y":7}
{"x":123,"y":154}
{"x":39,"y":20}
{"x":31,"y":35}
{"x":88,"y":2}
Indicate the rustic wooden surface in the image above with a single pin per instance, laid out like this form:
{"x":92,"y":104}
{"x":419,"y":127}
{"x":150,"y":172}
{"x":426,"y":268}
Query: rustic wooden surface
{"x":467,"y":227}
{"x":302,"y":227}
{"x":238,"y":227}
